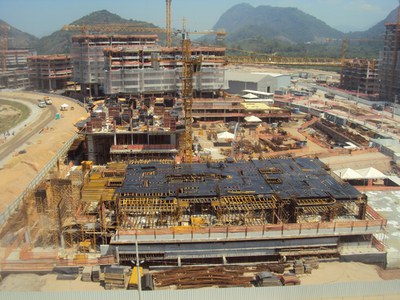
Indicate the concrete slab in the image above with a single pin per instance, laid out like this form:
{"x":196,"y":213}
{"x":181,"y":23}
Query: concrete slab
{"x":388,"y":205}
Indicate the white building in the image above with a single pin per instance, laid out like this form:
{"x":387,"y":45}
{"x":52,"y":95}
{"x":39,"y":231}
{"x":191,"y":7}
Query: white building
{"x":238,"y":81}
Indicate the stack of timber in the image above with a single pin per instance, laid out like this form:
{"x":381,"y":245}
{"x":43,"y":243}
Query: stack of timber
{"x":198,"y":277}
{"x":290,"y":280}
{"x":87,"y":274}
{"x":116,"y":277}
{"x":96,"y":273}
{"x":305,"y":266}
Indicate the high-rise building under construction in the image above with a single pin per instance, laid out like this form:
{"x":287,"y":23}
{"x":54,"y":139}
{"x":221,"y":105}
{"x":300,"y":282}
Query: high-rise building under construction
{"x":137,"y":65}
{"x":389,"y":69}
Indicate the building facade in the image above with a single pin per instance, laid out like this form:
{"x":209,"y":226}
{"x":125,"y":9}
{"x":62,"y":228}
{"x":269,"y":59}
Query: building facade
{"x":49,"y":72}
{"x":360,"y":75}
{"x":137,"y":65}
{"x":389,"y":68}
{"x":155,"y":70}
{"x":87,"y":56}
{"x":14,"y":69}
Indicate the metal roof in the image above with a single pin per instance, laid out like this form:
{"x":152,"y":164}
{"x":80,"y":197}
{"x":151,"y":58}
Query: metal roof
{"x":249,"y":77}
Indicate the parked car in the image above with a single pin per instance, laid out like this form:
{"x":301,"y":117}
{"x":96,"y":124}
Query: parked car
{"x":41,"y":103}
{"x":377,"y":107}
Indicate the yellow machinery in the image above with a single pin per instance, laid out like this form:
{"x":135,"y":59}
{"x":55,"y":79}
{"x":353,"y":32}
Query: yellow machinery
{"x":133,"y":279}
{"x":85,"y":246}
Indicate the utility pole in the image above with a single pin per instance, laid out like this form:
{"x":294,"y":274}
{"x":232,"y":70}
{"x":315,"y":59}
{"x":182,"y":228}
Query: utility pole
{"x":138,"y":270}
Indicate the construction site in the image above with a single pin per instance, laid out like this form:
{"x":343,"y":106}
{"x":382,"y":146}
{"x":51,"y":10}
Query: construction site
{"x":170,"y":179}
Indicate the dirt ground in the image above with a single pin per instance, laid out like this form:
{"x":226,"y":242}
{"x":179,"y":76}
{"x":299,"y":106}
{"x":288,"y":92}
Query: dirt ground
{"x":18,"y":170}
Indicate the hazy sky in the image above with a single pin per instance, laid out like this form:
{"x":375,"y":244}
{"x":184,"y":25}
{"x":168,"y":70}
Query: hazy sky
{"x":42,"y":17}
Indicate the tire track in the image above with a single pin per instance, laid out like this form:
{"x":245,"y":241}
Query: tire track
{"x":25,"y":134}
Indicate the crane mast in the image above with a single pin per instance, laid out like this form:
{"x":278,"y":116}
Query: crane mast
{"x":168,"y":27}
{"x":187,"y":96}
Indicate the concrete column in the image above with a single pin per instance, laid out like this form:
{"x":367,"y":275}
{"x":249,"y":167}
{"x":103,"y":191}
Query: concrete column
{"x":91,"y":150}
{"x":117,"y":254}
{"x":27,"y":235}
{"x":179,"y":262}
{"x":62,"y":241}
{"x":173,"y":140}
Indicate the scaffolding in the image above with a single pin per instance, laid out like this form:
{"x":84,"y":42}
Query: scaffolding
{"x":360,"y":75}
{"x":109,"y":205}
{"x":389,"y":71}
{"x":49,"y":72}
{"x":243,"y":194}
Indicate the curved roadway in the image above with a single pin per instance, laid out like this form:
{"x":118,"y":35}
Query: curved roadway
{"x":41,"y":120}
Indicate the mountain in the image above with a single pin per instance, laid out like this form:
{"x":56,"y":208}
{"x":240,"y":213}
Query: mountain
{"x":19,"y":39}
{"x":377,"y":30}
{"x":243,"y":22}
{"x":60,"y":41}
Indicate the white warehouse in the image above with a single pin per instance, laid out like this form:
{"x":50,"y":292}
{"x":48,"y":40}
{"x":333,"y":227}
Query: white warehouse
{"x":238,"y":81}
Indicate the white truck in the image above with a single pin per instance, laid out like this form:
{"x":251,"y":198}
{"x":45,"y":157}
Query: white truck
{"x":47,"y":100}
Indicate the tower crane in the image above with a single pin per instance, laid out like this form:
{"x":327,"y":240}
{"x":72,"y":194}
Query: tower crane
{"x":168,"y":27}
{"x":190,"y":65}
{"x":187,"y":96}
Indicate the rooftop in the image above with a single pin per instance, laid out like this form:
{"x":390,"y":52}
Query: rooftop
{"x":245,"y":76}
{"x":287,"y":178}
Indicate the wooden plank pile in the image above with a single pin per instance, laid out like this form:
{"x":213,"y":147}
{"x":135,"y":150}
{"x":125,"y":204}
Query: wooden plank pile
{"x":198,"y":277}
{"x":96,"y":273}
{"x":87,"y":274}
{"x":305,"y":266}
{"x":116,"y":277}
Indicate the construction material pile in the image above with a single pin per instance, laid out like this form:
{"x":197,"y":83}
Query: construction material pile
{"x":116,"y":277}
{"x":96,"y":273}
{"x":87,"y":274}
{"x":305,"y":266}
{"x":220,"y":276}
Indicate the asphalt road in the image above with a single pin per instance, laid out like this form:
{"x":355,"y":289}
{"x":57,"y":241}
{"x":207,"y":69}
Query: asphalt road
{"x":40,"y":121}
